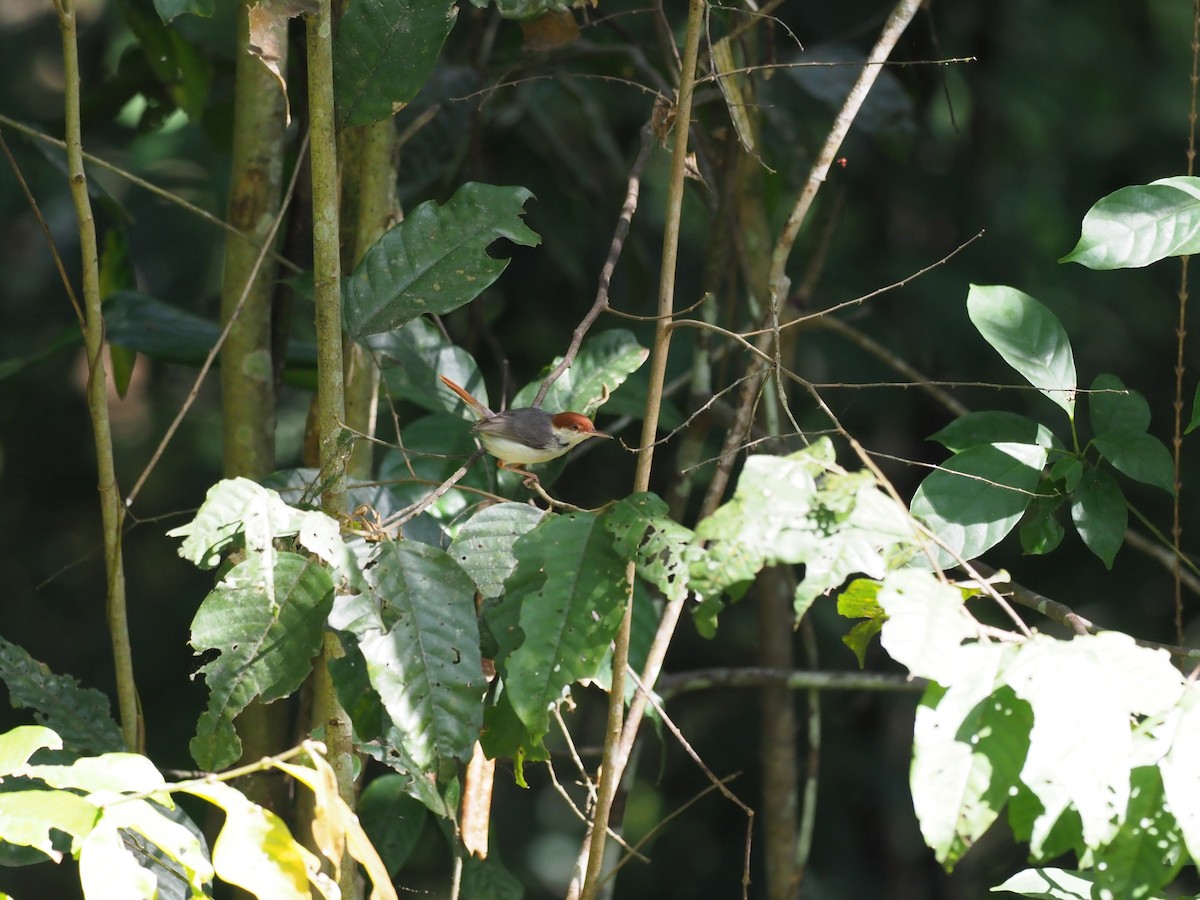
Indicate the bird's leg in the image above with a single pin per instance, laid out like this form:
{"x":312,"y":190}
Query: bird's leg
{"x":529,"y":479}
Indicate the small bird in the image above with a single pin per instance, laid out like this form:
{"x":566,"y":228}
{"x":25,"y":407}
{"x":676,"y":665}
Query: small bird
{"x":522,"y":437}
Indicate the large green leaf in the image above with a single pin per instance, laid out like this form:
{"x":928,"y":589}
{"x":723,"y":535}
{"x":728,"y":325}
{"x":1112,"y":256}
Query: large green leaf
{"x":169,"y":9}
{"x":561,"y":608}
{"x":1050,"y":884}
{"x":266,"y":620}
{"x":416,"y":630}
{"x":383,"y":53}
{"x":1180,"y":768}
{"x":1138,"y":225}
{"x":976,"y":498}
{"x":240,"y":511}
{"x":27,"y":817}
{"x":1029,"y":337}
{"x":436,"y":260}
{"x":1100,"y":515}
{"x":80,"y":715}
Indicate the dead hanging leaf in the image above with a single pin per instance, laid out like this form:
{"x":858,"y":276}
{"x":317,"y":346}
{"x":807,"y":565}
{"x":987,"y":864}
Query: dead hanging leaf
{"x":268,"y":36}
{"x":738,"y":91}
{"x":549,"y":32}
{"x":662,"y":118}
{"x":477,"y":802}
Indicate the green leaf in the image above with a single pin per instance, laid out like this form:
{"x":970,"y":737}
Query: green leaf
{"x":266,"y":618}
{"x":392,"y":820}
{"x":434,"y":448}
{"x":1180,"y":768}
{"x":553,"y":625}
{"x":111,"y":772}
{"x":977,"y":497}
{"x":416,"y":629}
{"x":1141,"y":456}
{"x":412,"y":357}
{"x":436,"y":260}
{"x":1029,"y":337}
{"x":183,"y":70}
{"x":1050,"y":884}
{"x":147,"y":325}
{"x":483,"y":546}
{"x":859,"y":638}
{"x":383,"y":53}
{"x":1100,"y":515}
{"x":107,"y":868}
{"x":1143,"y":857}
{"x":662,"y":549}
{"x":602,"y":365}
{"x":802,"y":508}
{"x":993,"y":427}
{"x":1068,"y":470}
{"x":487,"y":878}
{"x":238,"y":510}
{"x":172,"y":843}
{"x":1114,"y":408}
{"x":1138,"y":225}
{"x":1040,"y":531}
{"x":80,"y":716}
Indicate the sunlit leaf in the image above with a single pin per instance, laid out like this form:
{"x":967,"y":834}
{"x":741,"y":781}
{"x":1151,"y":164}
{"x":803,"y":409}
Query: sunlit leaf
{"x":977,"y":496}
{"x":993,"y":427}
{"x":1050,"y":884}
{"x":26,"y":818}
{"x":1141,"y":859}
{"x":1138,"y":225}
{"x":255,"y":850}
{"x":604,"y":362}
{"x":1029,"y":337}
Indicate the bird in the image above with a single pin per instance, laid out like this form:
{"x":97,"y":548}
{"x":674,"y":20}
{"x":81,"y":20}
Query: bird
{"x":526,"y":436}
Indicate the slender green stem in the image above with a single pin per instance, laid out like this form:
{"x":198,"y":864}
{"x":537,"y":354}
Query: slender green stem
{"x":112,"y":513}
{"x":616,"y":749}
{"x":328,"y":712}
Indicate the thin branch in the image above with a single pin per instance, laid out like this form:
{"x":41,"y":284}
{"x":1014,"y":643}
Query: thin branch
{"x":50,"y":242}
{"x":111,"y":512}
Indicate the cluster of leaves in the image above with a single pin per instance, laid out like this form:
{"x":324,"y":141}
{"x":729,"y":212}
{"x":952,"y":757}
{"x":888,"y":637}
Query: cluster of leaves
{"x":115,"y":814}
